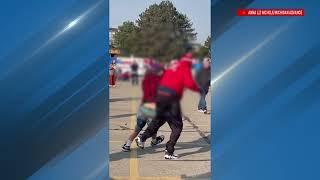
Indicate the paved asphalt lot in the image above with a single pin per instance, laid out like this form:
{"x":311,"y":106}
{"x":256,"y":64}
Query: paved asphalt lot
{"x":193,"y":147}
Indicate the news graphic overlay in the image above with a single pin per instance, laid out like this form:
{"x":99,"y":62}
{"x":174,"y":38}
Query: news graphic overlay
{"x":270,"y":12}
{"x":157,"y":130}
{"x":53,"y":90}
{"x":265,"y":88}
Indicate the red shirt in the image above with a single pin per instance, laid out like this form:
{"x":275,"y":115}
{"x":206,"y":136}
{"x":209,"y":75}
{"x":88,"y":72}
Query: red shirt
{"x":149,"y":87}
{"x":179,"y":76}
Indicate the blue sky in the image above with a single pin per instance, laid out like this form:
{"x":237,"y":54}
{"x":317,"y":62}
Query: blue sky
{"x":198,"y":11}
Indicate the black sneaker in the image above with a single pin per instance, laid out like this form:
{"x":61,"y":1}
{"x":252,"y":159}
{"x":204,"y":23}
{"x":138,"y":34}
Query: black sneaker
{"x":125,"y":148}
{"x":170,"y":156}
{"x":140,"y":144}
{"x":158,"y":140}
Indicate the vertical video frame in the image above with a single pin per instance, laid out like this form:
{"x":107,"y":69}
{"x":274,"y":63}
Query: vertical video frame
{"x":159,"y":85}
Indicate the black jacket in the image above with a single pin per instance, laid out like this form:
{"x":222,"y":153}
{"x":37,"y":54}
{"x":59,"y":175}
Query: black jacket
{"x":203,"y":78}
{"x":134,"y":67}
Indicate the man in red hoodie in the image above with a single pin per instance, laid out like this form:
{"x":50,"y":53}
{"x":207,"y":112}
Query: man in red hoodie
{"x":177,"y":77}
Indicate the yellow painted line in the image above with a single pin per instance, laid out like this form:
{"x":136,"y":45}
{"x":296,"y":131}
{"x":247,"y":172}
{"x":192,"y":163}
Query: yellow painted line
{"x":161,"y":178}
{"x":147,"y":178}
{"x":134,"y":173}
{"x":116,"y":141}
{"x":119,"y":178}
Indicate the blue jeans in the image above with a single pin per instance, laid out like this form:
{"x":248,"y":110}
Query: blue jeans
{"x":141,"y":122}
{"x":202,"y":102}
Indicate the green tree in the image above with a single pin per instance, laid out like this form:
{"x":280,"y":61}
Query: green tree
{"x":160,"y":32}
{"x":125,"y":37}
{"x":207,"y":44}
{"x":204,"y":50}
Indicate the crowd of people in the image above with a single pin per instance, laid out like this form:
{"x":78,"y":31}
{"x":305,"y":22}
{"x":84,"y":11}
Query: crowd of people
{"x":115,"y":73}
{"x":163,"y":88}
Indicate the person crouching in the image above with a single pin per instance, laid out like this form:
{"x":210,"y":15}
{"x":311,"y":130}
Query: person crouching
{"x":147,"y":112}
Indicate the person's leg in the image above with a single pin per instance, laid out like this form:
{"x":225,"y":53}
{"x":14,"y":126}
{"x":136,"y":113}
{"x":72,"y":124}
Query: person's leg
{"x":113,"y":80}
{"x":127,"y":145}
{"x":202,"y":102}
{"x":155,"y":124}
{"x":176,"y":125}
{"x":141,"y":122}
{"x":152,"y":129}
{"x":136,"y":79}
{"x":156,"y":139}
{"x":176,"y":129}
{"x":132,"y":79}
{"x":154,"y":136}
{"x":133,"y":135}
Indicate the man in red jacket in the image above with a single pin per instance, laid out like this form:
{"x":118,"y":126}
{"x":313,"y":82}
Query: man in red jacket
{"x":177,"y":77}
{"x":147,"y":108}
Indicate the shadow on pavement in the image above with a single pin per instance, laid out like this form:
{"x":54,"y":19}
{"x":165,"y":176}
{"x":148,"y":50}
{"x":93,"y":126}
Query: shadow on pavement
{"x":199,"y":177}
{"x":126,"y":128}
{"x":124,"y":99}
{"x":121,"y":116}
{"x":204,"y":147}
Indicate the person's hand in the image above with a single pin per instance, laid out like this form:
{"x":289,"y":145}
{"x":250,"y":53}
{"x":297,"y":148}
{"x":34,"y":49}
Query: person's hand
{"x":150,"y":105}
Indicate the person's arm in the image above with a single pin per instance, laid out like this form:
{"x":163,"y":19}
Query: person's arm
{"x":144,"y":90}
{"x":189,"y":82}
{"x":209,"y":82}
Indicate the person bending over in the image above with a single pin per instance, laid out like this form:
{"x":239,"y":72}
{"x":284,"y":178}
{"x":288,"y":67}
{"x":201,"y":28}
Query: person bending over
{"x":147,"y":108}
{"x":169,"y":94}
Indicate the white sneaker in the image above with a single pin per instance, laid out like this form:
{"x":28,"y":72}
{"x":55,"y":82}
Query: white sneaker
{"x":170,"y":156}
{"x":166,"y":154}
{"x":125,"y":148}
{"x":202,"y":111}
{"x":140,"y":144}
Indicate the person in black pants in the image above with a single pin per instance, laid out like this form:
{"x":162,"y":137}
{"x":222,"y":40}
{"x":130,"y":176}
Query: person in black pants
{"x":169,"y":94}
{"x":134,"y":73}
{"x":168,"y":110}
{"x":203,"y":78}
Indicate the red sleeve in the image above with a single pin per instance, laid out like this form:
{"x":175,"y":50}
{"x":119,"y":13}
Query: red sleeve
{"x":149,"y":87}
{"x":144,"y":90}
{"x":189,"y":81}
